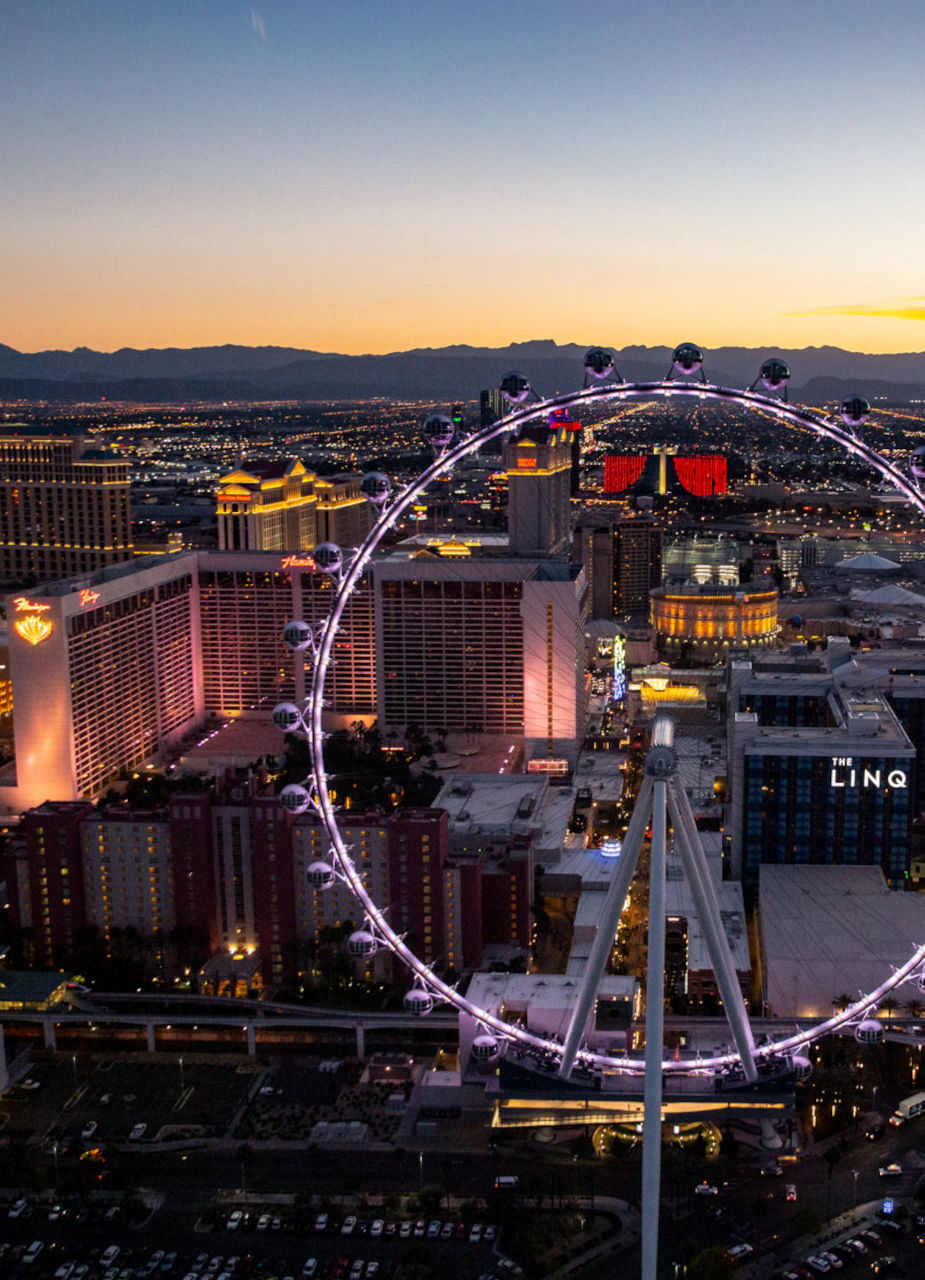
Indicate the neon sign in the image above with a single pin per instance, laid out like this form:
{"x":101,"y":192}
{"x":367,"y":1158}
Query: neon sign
{"x":526,"y":464}
{"x":619,"y":669}
{"x":88,"y":597}
{"x":33,"y":628}
{"x":844,"y":773}
{"x":22,"y":605}
{"x":297,"y":562}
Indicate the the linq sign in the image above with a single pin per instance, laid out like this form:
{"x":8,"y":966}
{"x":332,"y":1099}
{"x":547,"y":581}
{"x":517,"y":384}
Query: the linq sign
{"x":846,"y":774}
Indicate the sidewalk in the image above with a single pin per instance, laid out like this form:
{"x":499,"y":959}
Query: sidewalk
{"x":629,"y":1235}
{"x":835,"y":1231}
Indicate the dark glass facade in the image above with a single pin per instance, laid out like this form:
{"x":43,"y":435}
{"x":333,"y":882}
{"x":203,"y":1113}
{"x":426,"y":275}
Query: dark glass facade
{"x":827,"y":809}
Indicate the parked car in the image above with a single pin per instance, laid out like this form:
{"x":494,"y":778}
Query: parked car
{"x":739,"y":1252}
{"x":891,"y":1170}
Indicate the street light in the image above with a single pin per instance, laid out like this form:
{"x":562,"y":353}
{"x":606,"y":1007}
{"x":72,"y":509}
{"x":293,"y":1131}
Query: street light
{"x":854,"y":1173}
{"x":181,"y":1076}
{"x":420,"y":1170}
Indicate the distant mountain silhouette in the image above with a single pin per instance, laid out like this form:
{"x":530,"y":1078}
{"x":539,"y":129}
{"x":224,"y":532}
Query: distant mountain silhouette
{"x":457,"y":372}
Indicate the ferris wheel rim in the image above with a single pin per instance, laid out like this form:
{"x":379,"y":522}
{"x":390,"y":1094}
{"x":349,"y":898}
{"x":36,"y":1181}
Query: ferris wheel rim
{"x":375,"y":918}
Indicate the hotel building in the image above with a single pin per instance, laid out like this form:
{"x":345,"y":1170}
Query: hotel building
{"x":821,"y":770}
{"x":64,"y":506}
{"x":623,"y":562}
{"x":484,"y":645}
{"x":228,"y":870}
{"x":344,"y":515}
{"x":110,"y":671}
{"x":267,"y":506}
{"x":492,"y":643}
{"x":274,"y":506}
{"x":704,"y":622}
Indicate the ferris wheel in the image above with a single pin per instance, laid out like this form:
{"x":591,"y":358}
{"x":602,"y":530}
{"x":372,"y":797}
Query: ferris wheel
{"x":661,"y":791}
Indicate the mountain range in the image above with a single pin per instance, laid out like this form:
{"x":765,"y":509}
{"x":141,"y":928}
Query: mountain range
{"x":238,"y":373}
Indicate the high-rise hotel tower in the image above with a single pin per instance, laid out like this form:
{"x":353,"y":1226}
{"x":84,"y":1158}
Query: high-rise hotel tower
{"x":64,"y":506}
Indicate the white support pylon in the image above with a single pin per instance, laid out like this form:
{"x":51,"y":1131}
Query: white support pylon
{"x":655,"y":1035}
{"x":702,"y":890}
{"x":602,"y":946}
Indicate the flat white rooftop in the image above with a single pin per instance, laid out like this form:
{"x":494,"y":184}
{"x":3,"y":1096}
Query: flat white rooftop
{"x":832,"y":931}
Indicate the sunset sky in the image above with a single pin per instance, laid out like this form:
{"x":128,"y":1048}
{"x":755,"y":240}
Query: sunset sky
{"x":383,"y":174}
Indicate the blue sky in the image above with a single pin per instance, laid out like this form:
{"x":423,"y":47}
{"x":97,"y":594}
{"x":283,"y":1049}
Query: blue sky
{"x":375,"y":176}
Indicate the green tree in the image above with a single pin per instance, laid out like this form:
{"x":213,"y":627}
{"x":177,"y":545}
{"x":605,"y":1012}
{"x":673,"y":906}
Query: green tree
{"x":831,"y":1156}
{"x":711,"y":1264}
{"x":430,"y":1199}
{"x":729,"y":1144}
{"x":806,"y":1221}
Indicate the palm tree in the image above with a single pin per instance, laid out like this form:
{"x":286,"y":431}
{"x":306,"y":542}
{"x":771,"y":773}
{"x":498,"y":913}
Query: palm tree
{"x":831,"y":1156}
{"x":841,"y":1003}
{"x":889,"y":1005}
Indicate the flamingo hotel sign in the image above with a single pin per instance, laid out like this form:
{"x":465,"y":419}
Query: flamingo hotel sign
{"x":32,"y":626}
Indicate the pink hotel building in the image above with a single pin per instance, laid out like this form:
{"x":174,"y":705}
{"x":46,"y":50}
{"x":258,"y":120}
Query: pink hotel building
{"x":112,"y":670}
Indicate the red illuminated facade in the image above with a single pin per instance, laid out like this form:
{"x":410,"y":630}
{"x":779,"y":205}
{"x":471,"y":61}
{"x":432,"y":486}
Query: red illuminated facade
{"x":704,"y":477}
{"x":701,"y":475}
{"x":621,"y":471}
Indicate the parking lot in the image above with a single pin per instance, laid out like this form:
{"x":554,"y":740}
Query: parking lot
{"x":98,"y":1243}
{"x":67,"y":1096}
{"x":63,"y":1097}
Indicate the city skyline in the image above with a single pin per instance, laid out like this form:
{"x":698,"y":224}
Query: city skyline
{"x":372,"y":180}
